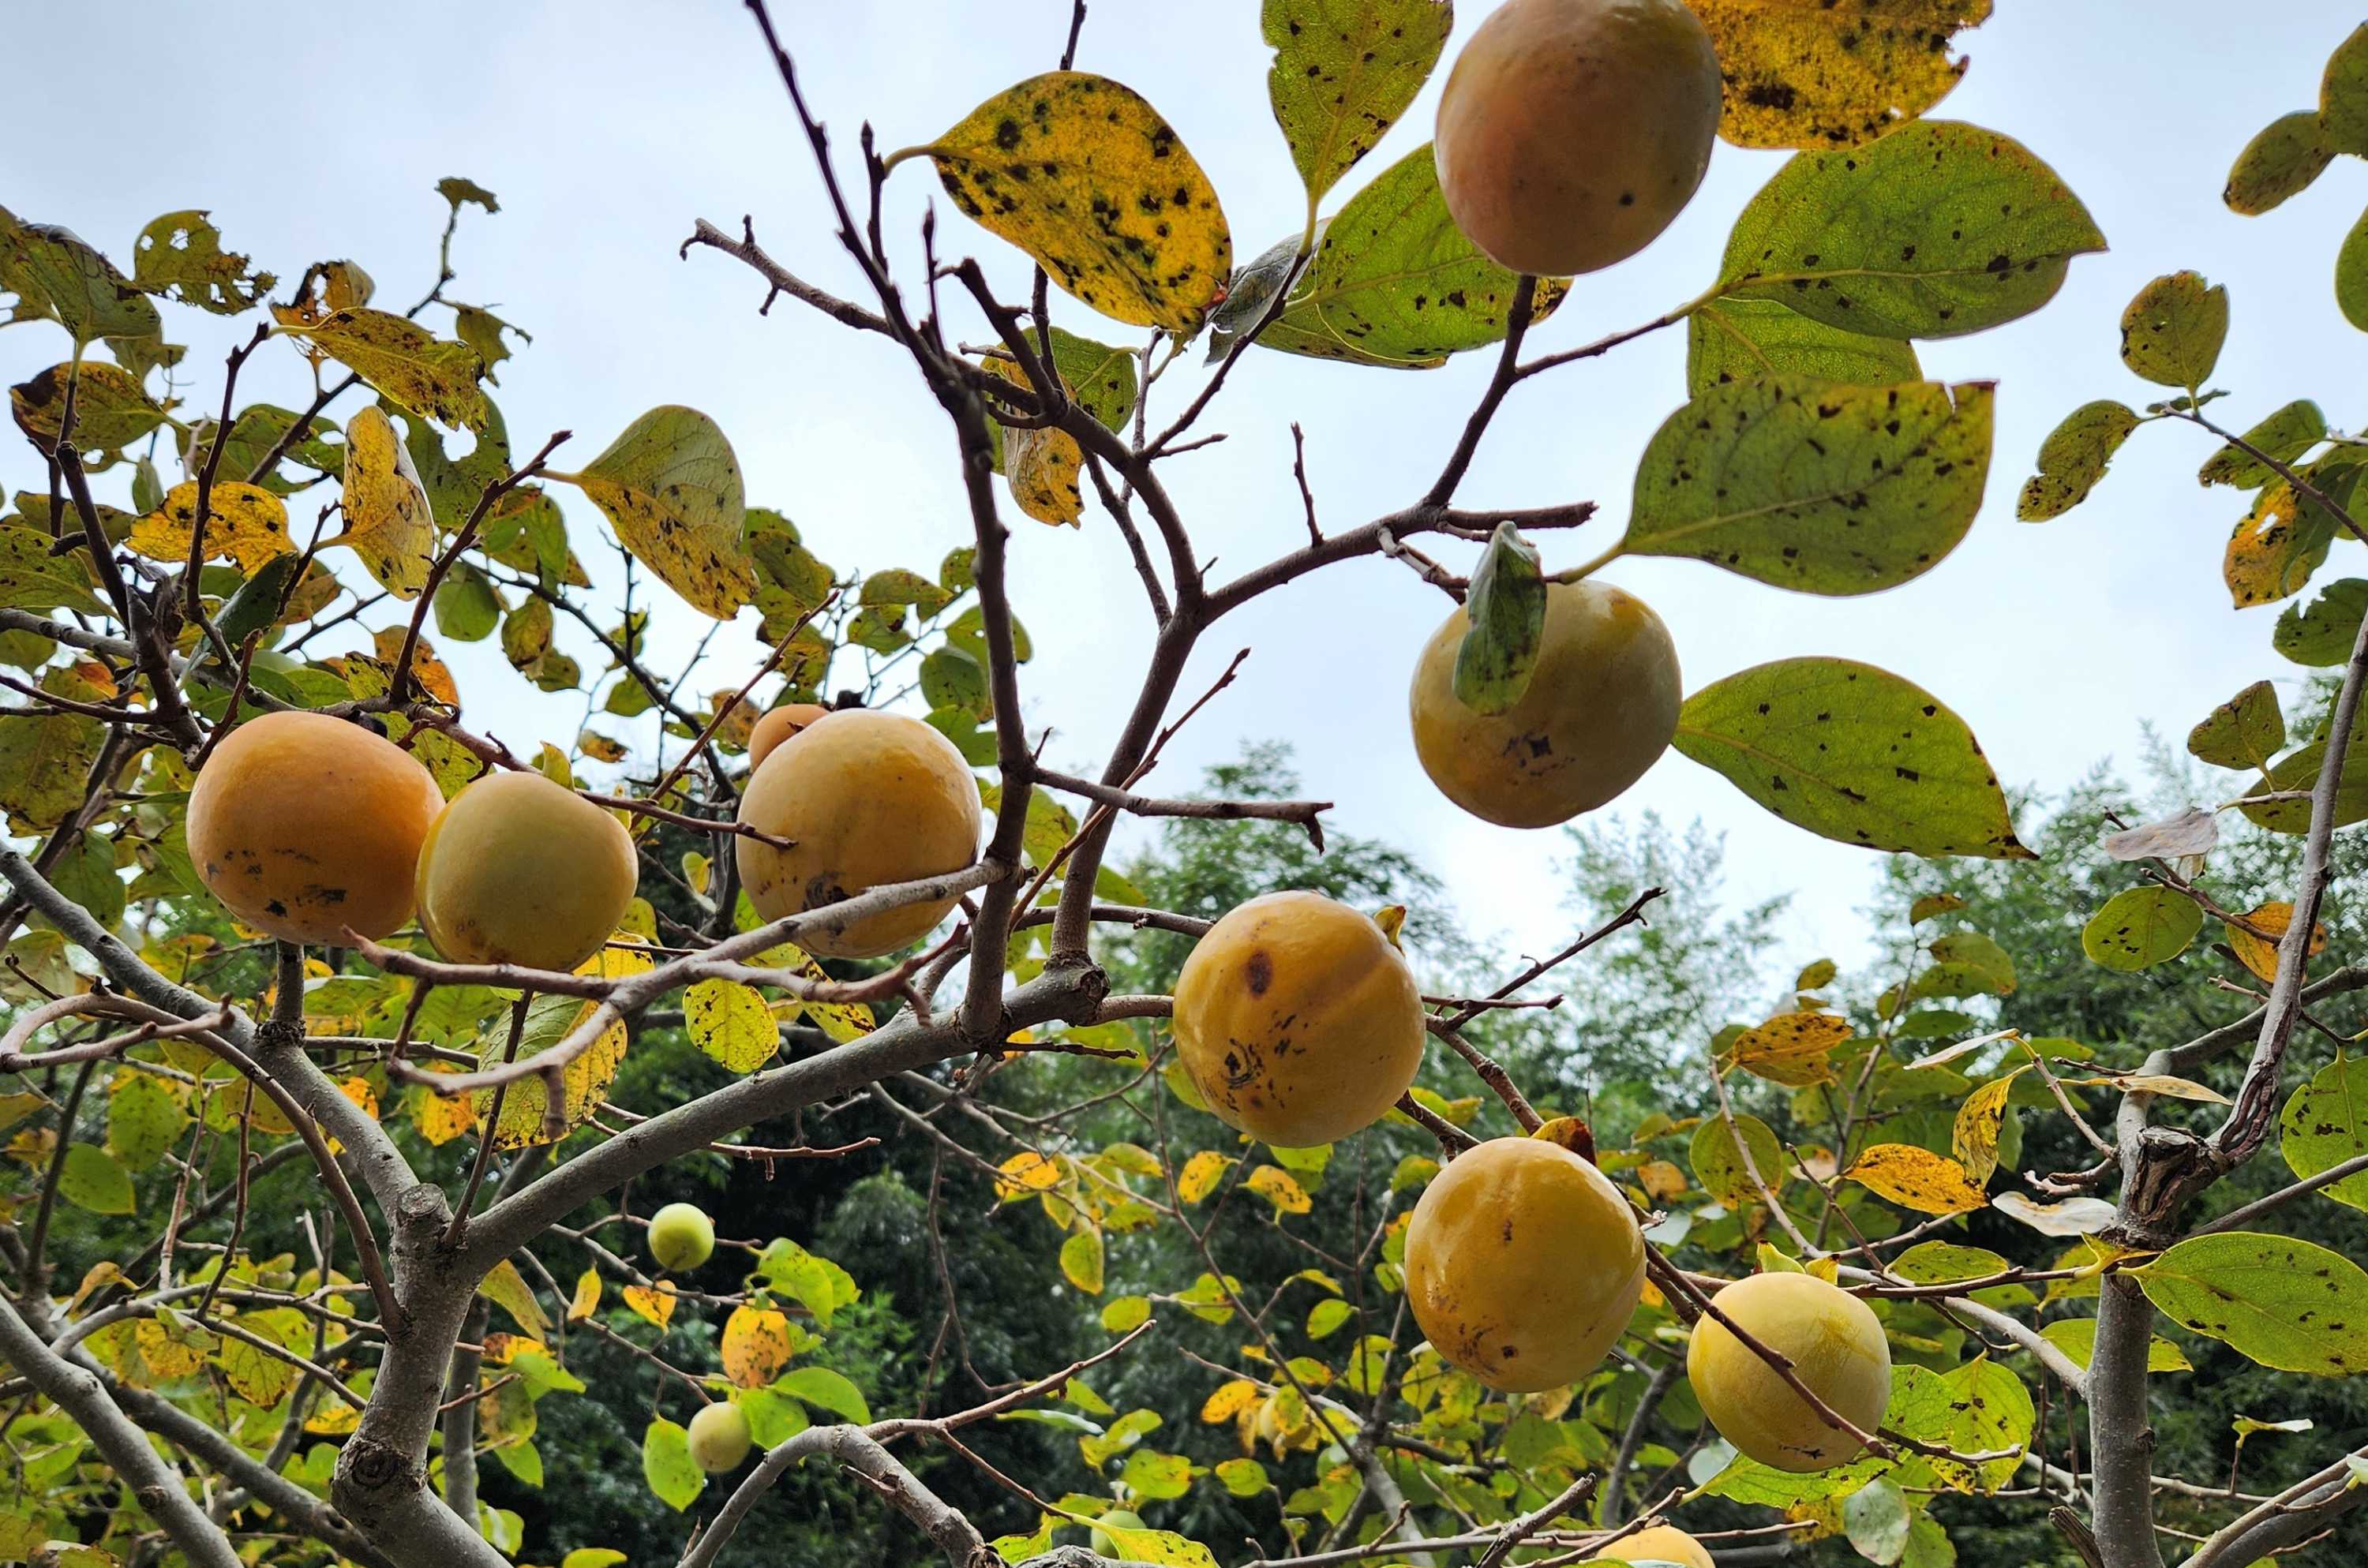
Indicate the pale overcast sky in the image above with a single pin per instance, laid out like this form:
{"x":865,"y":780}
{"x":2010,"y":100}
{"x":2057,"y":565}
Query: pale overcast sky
{"x":606,"y":127}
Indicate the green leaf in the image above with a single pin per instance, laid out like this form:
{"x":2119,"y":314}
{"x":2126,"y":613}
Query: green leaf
{"x":1150,"y":1473}
{"x":1165,"y":1547}
{"x":1937,"y":229}
{"x":1718,"y":1165}
{"x":731,"y":1024}
{"x":1327,"y":1317}
{"x":2298,"y":773}
{"x":54,"y":274}
{"x":1966,"y":963}
{"x":1942,"y":1263}
{"x":2077,"y":1337}
{"x":1344,"y":71}
{"x":31,"y":578}
{"x":826,"y":1389}
{"x":1851,"y":752}
{"x":507,"y":1289}
{"x":1393,"y":283}
{"x":2326,"y":1123}
{"x":92,"y":1180}
{"x":1876,"y":1519}
{"x":2172,"y":330}
{"x":180,"y":256}
{"x":1124,"y":1314}
{"x":1242,"y":1478}
{"x":671,"y":487}
{"x":2285,"y":435}
{"x":1978,"y":1408}
{"x":667,"y":1466}
{"x":2245,"y":732}
{"x":1102,"y":381}
{"x":1507,"y":611}
{"x":407,"y":363}
{"x":950,"y":679}
{"x":1081,"y":1260}
{"x":2141,"y":926}
{"x":467,"y":607}
{"x":2284,"y":1303}
{"x":2072,"y":458}
{"x":2323,"y":633}
{"x":112,"y":410}
{"x":814,"y":1282}
{"x":44,"y":760}
{"x":2343,"y":95}
{"x":2351,"y":274}
{"x":1826,"y":488}
{"x":144,"y":1119}
{"x":1751,"y":340}
{"x":592,"y":1557}
{"x":2281,"y":161}
{"x":773,"y":1419}
{"x":1082,"y":174}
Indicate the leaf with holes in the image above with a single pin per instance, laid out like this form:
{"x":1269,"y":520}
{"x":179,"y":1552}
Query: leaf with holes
{"x":671,"y":486}
{"x":2284,"y":538}
{"x":2288,"y":1304}
{"x":1752,"y":340}
{"x":409,"y":365}
{"x":2325,"y":1124}
{"x":2172,"y":330}
{"x":1086,"y":177}
{"x":180,"y":256}
{"x":1344,"y":71}
{"x":1825,"y":488}
{"x":2073,"y":458}
{"x":1853,"y":754}
{"x":1937,"y":229}
{"x":2139,"y":927}
{"x":388,"y":520}
{"x":1394,"y":283}
{"x":1832,"y":77}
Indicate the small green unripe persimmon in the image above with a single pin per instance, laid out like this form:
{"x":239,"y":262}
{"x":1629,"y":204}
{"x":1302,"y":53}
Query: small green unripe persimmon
{"x":720,"y":1438}
{"x":681,"y":1237}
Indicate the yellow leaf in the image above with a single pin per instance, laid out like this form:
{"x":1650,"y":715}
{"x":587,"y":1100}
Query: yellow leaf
{"x":1661,"y":1180}
{"x":1229,"y":1400}
{"x":655,"y":1304}
{"x":411,"y":365}
{"x":1024,"y":1173}
{"x":1918,"y":1178}
{"x":1278,"y":1188}
{"x":433,"y":676}
{"x":1827,"y":1269}
{"x":1805,"y":73}
{"x":1791,"y":1048}
{"x":332,"y":1417}
{"x":587,"y":1300}
{"x":1391,"y":918}
{"x":599,"y":747}
{"x":1082,"y":174}
{"x":501,"y":1349}
{"x":359,"y":1090}
{"x":440,"y":1117}
{"x":1975,"y":1135}
{"x":548,"y":1021}
{"x":171,"y":1354}
{"x":2160,"y":1084}
{"x":671,"y":487}
{"x":507,"y":1289}
{"x":756,"y":1345}
{"x":730,"y":1022}
{"x":2260,"y":954}
{"x":1199,"y":1176}
{"x":2275,"y":547}
{"x":244,"y":522}
{"x":1041,"y":466}
{"x":388,"y":522}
